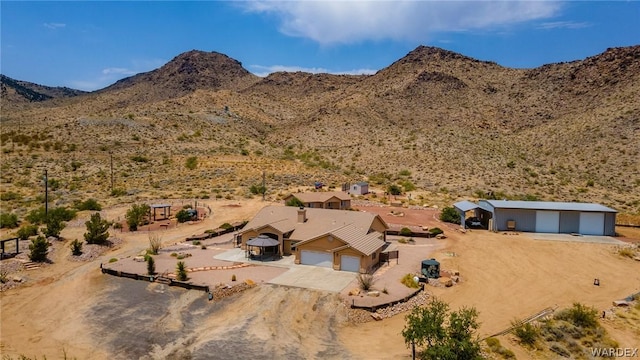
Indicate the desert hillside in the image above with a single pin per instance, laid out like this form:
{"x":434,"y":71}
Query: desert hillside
{"x":448,"y":125}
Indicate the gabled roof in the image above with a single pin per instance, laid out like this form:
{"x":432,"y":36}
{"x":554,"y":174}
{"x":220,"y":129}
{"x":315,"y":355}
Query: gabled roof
{"x":320,"y":196}
{"x":465,"y":205}
{"x":362,"y":183}
{"x":353,"y":227}
{"x":547,"y":205}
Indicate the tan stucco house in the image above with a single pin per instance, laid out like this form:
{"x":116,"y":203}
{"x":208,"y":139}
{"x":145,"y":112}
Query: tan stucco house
{"x":339,"y":239}
{"x":323,"y":200}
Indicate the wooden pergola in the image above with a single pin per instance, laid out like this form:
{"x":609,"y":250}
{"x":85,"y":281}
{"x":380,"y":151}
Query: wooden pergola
{"x":166,"y":210}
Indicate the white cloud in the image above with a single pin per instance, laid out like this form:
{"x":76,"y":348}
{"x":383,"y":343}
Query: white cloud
{"x":263,"y":71}
{"x":54,"y":26}
{"x":331,"y":22}
{"x":118,"y":71}
{"x":563,"y":25}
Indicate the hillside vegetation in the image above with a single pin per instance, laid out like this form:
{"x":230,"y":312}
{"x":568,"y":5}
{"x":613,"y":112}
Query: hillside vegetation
{"x":450,"y":125}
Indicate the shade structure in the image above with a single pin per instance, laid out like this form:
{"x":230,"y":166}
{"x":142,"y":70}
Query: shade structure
{"x":263,"y":241}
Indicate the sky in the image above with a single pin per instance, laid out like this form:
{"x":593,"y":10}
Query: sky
{"x":89,"y":45}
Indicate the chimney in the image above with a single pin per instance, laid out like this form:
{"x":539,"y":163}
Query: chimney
{"x":302,"y":214}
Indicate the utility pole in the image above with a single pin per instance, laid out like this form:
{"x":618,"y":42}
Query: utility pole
{"x":46,"y":194}
{"x":264,"y":186}
{"x":111,"y":160}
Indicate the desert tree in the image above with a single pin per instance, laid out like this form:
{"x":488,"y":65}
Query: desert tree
{"x":38,"y":248}
{"x":136,"y":215}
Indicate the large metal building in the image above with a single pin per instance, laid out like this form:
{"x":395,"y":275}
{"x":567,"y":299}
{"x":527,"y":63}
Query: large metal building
{"x":548,"y":217}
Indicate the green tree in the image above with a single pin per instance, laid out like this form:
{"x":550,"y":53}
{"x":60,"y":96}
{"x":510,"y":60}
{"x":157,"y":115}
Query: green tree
{"x":136,"y":215}
{"x":294,"y":201}
{"x":183,"y":216}
{"x":394,"y":189}
{"x":97,"y":230}
{"x":89,"y":204}
{"x":258,"y":189}
{"x":38,"y":248}
{"x":8,"y":220}
{"x":450,"y":215}
{"x":181,"y":271}
{"x":191,"y":163}
{"x":151,"y":265}
{"x":442,"y":335}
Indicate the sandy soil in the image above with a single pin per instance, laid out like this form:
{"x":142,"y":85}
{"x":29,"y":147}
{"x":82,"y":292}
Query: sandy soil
{"x":71,"y":307}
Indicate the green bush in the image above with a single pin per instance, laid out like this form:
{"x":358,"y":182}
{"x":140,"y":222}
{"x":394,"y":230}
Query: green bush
{"x":226,"y":226}
{"x":435,"y":231}
{"x":450,"y":215}
{"x":26,"y":231}
{"x":8,"y":220}
{"x":112,"y":260}
{"x":257,"y":189}
{"x":10,"y":195}
{"x":117,"y":192}
{"x":140,"y":158}
{"x":405,"y":231}
{"x":76,"y":247}
{"x":394,"y":189}
{"x":38,"y":248}
{"x":580,"y":315}
{"x":294,"y":201}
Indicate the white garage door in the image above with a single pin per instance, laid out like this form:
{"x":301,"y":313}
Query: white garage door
{"x":591,"y":223}
{"x":350,"y":263}
{"x":316,"y":258}
{"x":547,"y":221}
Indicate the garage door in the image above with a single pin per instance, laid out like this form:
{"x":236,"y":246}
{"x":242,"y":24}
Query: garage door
{"x":316,"y":258}
{"x":350,"y":263}
{"x":548,"y":221}
{"x":591,"y":223}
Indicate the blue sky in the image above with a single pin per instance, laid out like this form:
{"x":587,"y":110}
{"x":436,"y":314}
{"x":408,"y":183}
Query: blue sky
{"x":90,"y":45}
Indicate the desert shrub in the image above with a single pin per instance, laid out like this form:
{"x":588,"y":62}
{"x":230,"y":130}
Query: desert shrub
{"x":154,"y":244}
{"x":117,"y":225}
{"x":89,"y":204}
{"x":39,"y":216}
{"x":580,"y":315}
{"x":38,"y":248}
{"x":112,"y":260}
{"x":403,"y":241}
{"x":435,"y":231}
{"x":258,"y":189}
{"x":183,"y":216}
{"x":408,"y":186}
{"x":26,"y":231}
{"x":197,"y":242}
{"x":181,"y":271}
{"x":233,"y":277}
{"x":97,"y":230}
{"x":174,"y":254}
{"x":191,"y":163}
{"x":408,"y":281}
{"x":450,"y":215}
{"x":404,"y":172}
{"x":117,"y":192}
{"x":140,"y":158}
{"x":627,"y":252}
{"x":76,"y":247}
{"x":10,"y":195}
{"x":8,"y":220}
{"x":53,"y":226}
{"x":226,"y":226}
{"x":558,"y":349}
{"x":294,"y":201}
{"x":365,"y":281}
{"x":405,"y":231}
{"x":151,"y":266}
{"x":526,"y":333}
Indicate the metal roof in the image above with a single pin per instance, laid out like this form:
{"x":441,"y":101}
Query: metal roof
{"x":320,"y":196}
{"x":465,"y":205}
{"x":548,"y":205}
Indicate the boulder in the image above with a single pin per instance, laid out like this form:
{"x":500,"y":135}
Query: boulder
{"x":446,"y":281}
{"x":16,"y":279}
{"x":454,"y":272}
{"x":354,"y":292}
{"x":441,"y":236}
{"x":376,"y":316}
{"x":374,"y":293}
{"x":455,"y":278}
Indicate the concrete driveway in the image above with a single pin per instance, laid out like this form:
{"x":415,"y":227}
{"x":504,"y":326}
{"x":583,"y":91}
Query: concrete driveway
{"x":575,"y":238}
{"x":314,"y":277}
